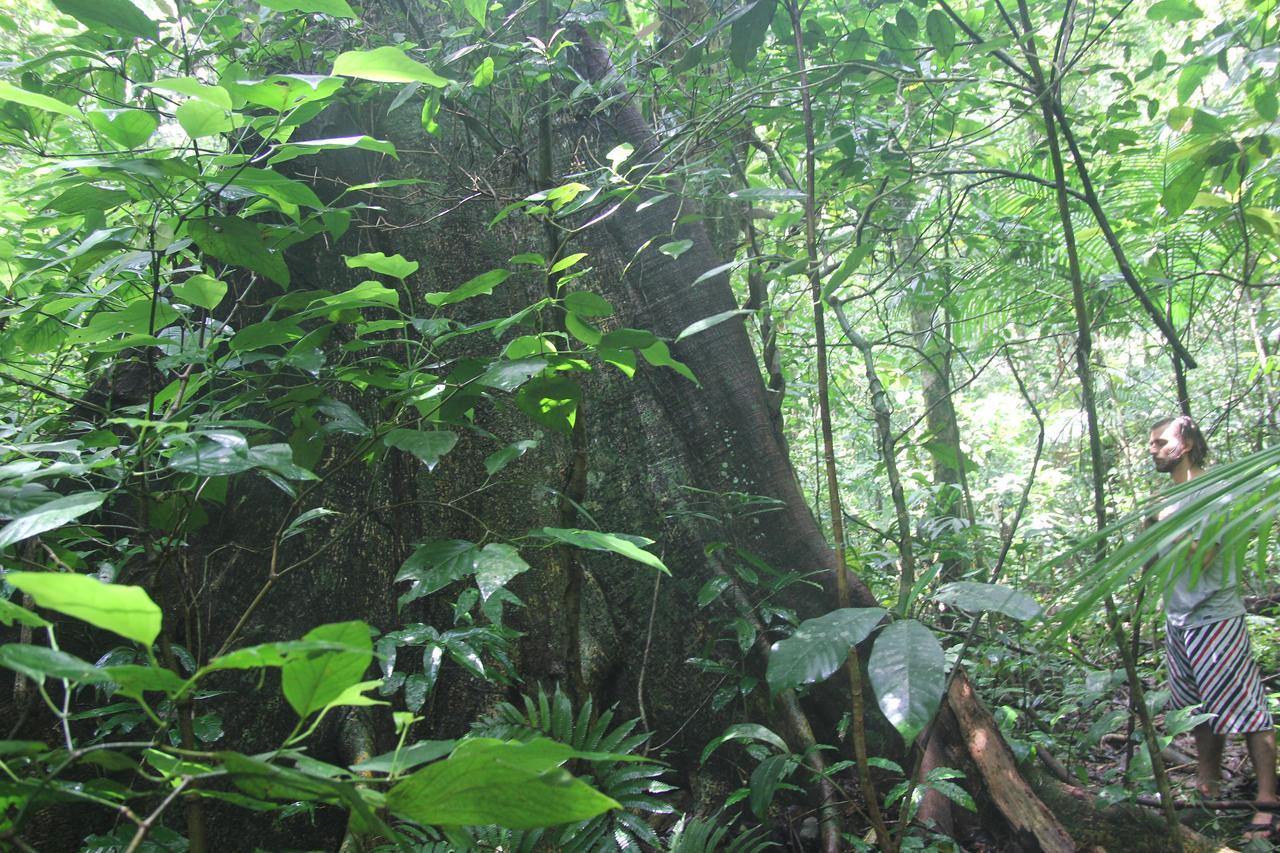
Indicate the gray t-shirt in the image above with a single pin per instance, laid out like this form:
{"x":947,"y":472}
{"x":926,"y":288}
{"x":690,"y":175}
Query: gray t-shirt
{"x":1211,"y":597}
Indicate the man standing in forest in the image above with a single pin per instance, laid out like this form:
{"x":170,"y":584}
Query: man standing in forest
{"x":1207,"y":648}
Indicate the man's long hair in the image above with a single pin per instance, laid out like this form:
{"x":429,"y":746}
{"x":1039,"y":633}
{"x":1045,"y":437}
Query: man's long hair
{"x":1189,"y":437}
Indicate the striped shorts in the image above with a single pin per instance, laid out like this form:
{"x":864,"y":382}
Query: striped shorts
{"x":1212,"y":666}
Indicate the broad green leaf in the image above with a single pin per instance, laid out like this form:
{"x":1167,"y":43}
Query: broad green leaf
{"x":979,"y":597}
{"x":551,"y":401}
{"x":263,"y":780}
{"x":39,"y":662}
{"x":659,"y":355}
{"x":400,"y":760}
{"x":291,"y":150}
{"x":675,"y":248}
{"x":386,"y":65}
{"x":477,"y":9}
{"x":135,"y":680}
{"x":496,"y":564}
{"x":394,"y":265}
{"x":508,"y":783}
{"x":1181,"y":191}
{"x":481,"y":285}
{"x":1190,"y":77}
{"x":586,"y":304}
{"x":510,"y":375}
{"x":748,"y":32}
{"x":201,"y":118}
{"x":285,"y":92}
{"x":941,"y":32}
{"x":50,"y":515}
{"x":495,"y":462}
{"x":124,"y":610}
{"x":10,"y":92}
{"x":744,"y":731}
{"x":907,"y":669}
{"x":311,"y":682}
{"x":121,"y":16}
{"x":193,"y":88}
{"x":484,"y":73}
{"x":87,"y":197}
{"x":594,"y":540}
{"x":1174,"y":11}
{"x":201,"y":290}
{"x":11,"y":613}
{"x":765,"y":779}
{"x":275,"y":654}
{"x":435,"y":565}
{"x":429,"y":446}
{"x":126,"y":128}
{"x":135,"y":320}
{"x":273,"y":185}
{"x":332,"y":8}
{"x":819,"y":646}
{"x":238,"y":242}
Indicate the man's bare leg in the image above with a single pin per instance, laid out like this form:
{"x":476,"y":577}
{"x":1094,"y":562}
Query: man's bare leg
{"x":1262,"y":752}
{"x":1209,"y":761}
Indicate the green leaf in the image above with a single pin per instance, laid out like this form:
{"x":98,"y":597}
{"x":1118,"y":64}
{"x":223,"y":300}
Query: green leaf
{"x":748,"y":32}
{"x":659,"y":355}
{"x":941,"y":32}
{"x":707,"y":322}
{"x":508,"y":783}
{"x":979,"y":597}
{"x":311,"y":682}
{"x":291,"y":150}
{"x":201,"y":290}
{"x":201,"y":118}
{"x":477,"y":9}
{"x":11,"y":613}
{"x":593,"y":540}
{"x":484,"y":73}
{"x":83,"y":198}
{"x":120,"y":16}
{"x":586,"y":304}
{"x":332,"y":8}
{"x":1181,"y":191}
{"x":495,"y":565}
{"x":908,"y":674}
{"x":10,"y":92}
{"x":37,"y":662}
{"x":744,"y":731}
{"x":124,"y":610}
{"x":275,"y":654}
{"x":238,"y":242}
{"x":395,"y":266}
{"x":386,"y":65}
{"x":135,"y":680}
{"x":134,"y":320}
{"x":819,"y":646}
{"x":566,"y":262}
{"x":675,"y":248}
{"x":49,"y":515}
{"x":481,"y":285}
{"x":126,"y":128}
{"x":429,"y":446}
{"x":551,"y":401}
{"x":193,"y":88}
{"x":495,"y":462}
{"x":1190,"y":76}
{"x":510,"y":375}
{"x":435,"y":565}
{"x":766,"y":194}
{"x":400,"y":760}
{"x":273,"y":185}
{"x":1174,"y":11}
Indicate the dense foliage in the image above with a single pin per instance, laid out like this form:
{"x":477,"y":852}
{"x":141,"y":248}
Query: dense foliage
{"x":1037,"y":226}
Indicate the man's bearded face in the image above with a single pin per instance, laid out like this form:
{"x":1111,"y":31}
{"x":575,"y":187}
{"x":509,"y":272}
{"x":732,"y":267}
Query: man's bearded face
{"x":1166,"y":448}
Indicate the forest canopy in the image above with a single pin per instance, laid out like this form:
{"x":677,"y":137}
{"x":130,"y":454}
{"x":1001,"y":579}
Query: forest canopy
{"x":549,"y":424}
